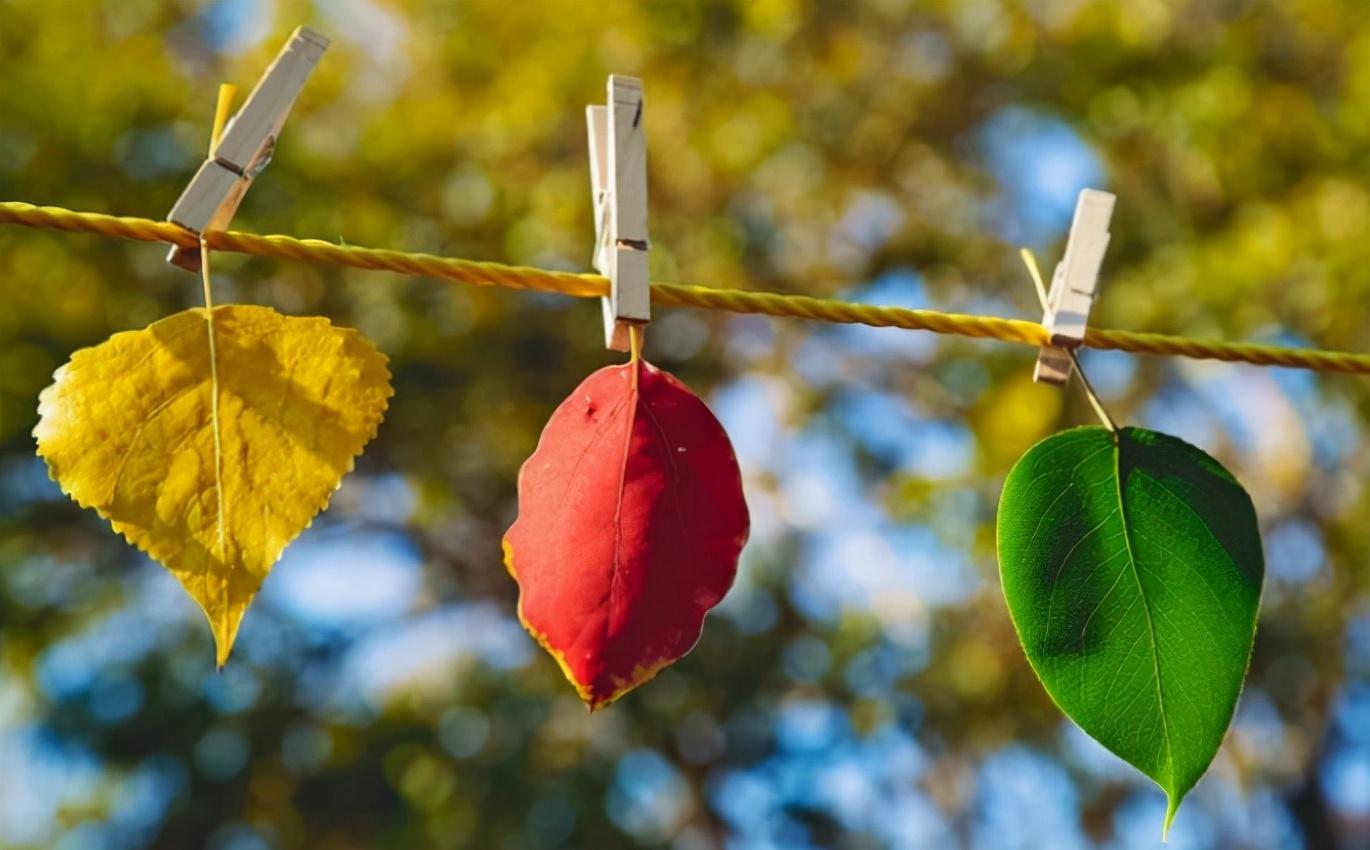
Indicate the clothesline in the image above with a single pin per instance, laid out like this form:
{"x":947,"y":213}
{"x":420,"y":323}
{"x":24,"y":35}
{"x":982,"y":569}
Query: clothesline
{"x":673,"y":294}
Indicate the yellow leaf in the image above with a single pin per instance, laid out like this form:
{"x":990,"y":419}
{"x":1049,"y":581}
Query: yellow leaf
{"x":212,"y":464}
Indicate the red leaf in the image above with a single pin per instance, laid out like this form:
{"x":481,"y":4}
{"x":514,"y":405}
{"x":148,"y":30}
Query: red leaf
{"x":631,"y":519}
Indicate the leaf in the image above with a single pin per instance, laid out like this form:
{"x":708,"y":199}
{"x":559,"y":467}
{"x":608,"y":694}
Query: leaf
{"x":213,"y":484}
{"x":1132,"y":568}
{"x":631,"y":520}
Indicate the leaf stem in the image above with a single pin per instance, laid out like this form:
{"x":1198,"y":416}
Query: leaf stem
{"x":227,"y":91}
{"x":1035,"y":272}
{"x":221,"y":110}
{"x":1090,"y":394}
{"x":634,"y":343}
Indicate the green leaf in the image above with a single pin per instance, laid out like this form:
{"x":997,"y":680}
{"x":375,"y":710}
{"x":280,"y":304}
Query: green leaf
{"x":1132,"y":567}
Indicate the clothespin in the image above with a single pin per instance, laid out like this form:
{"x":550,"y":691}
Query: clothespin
{"x":1073,"y":285}
{"x":246,"y":146}
{"x":618,"y":182}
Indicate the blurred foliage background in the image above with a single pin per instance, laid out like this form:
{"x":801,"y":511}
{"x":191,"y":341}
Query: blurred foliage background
{"x":861,"y":686}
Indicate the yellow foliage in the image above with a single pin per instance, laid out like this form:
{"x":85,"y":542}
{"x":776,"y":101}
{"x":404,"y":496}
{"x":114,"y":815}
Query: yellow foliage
{"x":1010,"y":420}
{"x":213,"y":463}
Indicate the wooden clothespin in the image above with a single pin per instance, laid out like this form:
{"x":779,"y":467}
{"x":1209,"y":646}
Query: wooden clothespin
{"x":618,"y":182}
{"x":1073,"y":285}
{"x":248,"y":141}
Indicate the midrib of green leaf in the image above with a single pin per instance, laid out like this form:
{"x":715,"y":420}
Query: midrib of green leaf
{"x":1171,"y":806}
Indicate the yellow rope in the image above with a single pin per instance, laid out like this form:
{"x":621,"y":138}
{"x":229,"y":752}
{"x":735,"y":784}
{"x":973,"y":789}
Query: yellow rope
{"x":675,"y":294}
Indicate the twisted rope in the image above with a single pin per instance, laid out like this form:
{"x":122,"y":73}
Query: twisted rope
{"x":674,"y":294}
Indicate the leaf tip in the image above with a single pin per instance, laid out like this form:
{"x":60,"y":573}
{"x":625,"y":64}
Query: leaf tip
{"x":224,"y":627}
{"x":223,"y":647}
{"x":1172,"y":805}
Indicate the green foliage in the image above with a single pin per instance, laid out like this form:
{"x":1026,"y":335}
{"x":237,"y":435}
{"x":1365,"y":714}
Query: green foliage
{"x":1132,"y":567}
